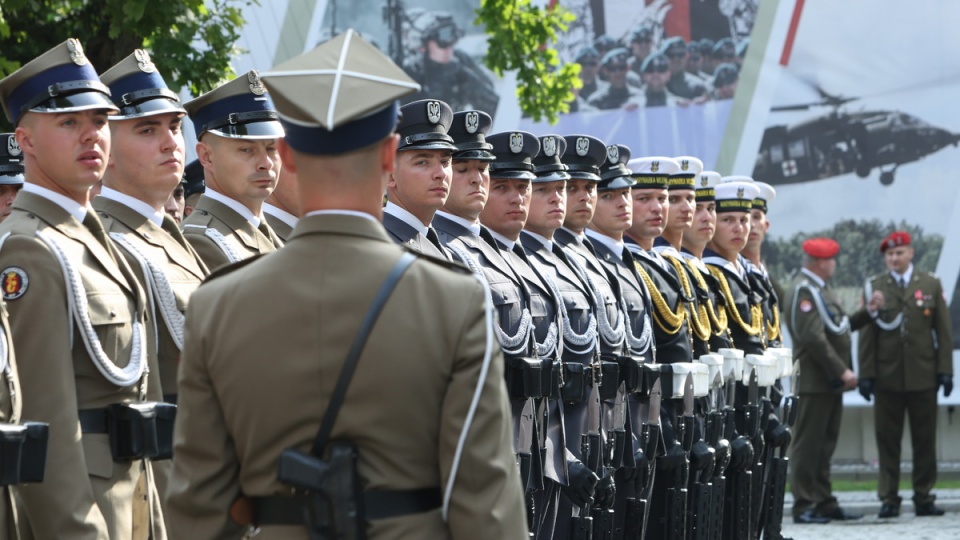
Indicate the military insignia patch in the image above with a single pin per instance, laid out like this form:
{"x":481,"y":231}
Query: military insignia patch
{"x":15,"y":282}
{"x":549,"y":146}
{"x":13,"y":148}
{"x":684,"y":164}
{"x":433,"y":112}
{"x":583,"y":146}
{"x":76,"y":52}
{"x":516,"y":143}
{"x":144,"y":62}
{"x":806,"y":306}
{"x":703,"y":181}
{"x":654,"y":166}
{"x":256,"y":86}
{"x":739,"y":193}
{"x":613,"y":153}
{"x":472,"y":121}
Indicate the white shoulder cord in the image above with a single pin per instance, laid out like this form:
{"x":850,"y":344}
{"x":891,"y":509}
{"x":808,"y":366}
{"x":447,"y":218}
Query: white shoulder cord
{"x":475,"y":402}
{"x":642,"y":344}
{"x":158,"y":286}
{"x":837,"y":329}
{"x":613,"y":336}
{"x":8,"y":369}
{"x":888,"y":326}
{"x":588,"y":339}
{"x":517,"y":343}
{"x":77,"y":304}
{"x":222,"y":243}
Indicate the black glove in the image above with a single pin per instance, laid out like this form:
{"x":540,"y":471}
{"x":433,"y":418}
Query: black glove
{"x":777,"y":434}
{"x":741,"y":454}
{"x":581,"y":484}
{"x":702,"y":458}
{"x":722,"y":451}
{"x":673,"y":459}
{"x":606,"y":491}
{"x":945,"y":380}
{"x":866,"y":388}
{"x":642,"y":469}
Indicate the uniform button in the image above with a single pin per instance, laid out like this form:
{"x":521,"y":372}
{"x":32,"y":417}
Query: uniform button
{"x":113,"y":314}
{"x":146,"y":235}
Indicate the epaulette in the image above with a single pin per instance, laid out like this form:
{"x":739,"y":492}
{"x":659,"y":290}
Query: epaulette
{"x":230,"y":268}
{"x":452,"y":265}
{"x":199,"y":220}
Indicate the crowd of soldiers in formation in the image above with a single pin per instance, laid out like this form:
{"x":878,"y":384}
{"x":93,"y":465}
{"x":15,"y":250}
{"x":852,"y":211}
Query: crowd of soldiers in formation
{"x":650,"y":72}
{"x":642,"y":348}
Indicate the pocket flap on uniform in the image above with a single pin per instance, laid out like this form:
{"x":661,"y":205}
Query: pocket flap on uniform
{"x":96,"y":450}
{"x":504,"y":295}
{"x":108,"y":308}
{"x":538,"y":305}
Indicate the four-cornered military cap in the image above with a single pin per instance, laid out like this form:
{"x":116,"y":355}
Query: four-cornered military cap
{"x":548,"y":164}
{"x":469,"y":131}
{"x":583,"y":157}
{"x":724,"y":48}
{"x":339,"y":97}
{"x":587,"y":53}
{"x":766,"y":196}
{"x":895,"y":239}
{"x":138,"y":89}
{"x":726,"y":73}
{"x":60,"y":80}
{"x":652,"y":172}
{"x":239,"y":109}
{"x":705,"y":185}
{"x":734,"y":196}
{"x":11,"y":160}
{"x":193,"y":179}
{"x":515,"y":151}
{"x":674,"y":46}
{"x":655,"y":63}
{"x":643,"y":33}
{"x":424,"y":124}
{"x":821,"y":248}
{"x":614,"y":173}
{"x":686,"y":177}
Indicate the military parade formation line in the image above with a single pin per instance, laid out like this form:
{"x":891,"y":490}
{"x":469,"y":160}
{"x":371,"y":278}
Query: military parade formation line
{"x":633,"y":390}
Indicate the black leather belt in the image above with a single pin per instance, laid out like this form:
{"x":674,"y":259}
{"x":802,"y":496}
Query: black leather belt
{"x":278,"y":510}
{"x":93,"y":420}
{"x":170,"y":398}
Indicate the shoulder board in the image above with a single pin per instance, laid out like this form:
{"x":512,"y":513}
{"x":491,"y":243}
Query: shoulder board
{"x":452,"y":265}
{"x":196,"y":222}
{"x":230,"y":268}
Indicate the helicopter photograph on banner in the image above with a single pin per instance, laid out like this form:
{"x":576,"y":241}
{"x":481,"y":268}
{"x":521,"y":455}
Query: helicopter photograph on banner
{"x":842,"y":140}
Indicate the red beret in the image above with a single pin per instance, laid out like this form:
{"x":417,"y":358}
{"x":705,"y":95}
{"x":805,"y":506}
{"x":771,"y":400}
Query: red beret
{"x":821,"y":248}
{"x":896,"y":238}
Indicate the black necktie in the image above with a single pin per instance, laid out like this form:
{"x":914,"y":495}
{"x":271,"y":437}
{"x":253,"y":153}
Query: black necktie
{"x":434,"y":239}
{"x":93,"y":224}
{"x":902,"y":282}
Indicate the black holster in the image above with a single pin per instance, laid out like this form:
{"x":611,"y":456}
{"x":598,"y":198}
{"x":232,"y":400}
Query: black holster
{"x":140,"y":430}
{"x":528,"y":377}
{"x":631,"y":373}
{"x":609,"y":379}
{"x":335,"y":509}
{"x":23,"y":452}
{"x":575,"y":376}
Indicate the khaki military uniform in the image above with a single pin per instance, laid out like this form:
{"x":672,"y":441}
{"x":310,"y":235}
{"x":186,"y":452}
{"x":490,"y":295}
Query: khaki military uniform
{"x":904,"y":360}
{"x":281,"y":228}
{"x":821,"y":348}
{"x":85,"y":493}
{"x":9,"y":414}
{"x":405,"y":408}
{"x":222,"y":236}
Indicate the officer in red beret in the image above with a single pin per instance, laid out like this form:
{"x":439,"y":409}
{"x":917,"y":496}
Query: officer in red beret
{"x":821,"y":347}
{"x":905,"y":357}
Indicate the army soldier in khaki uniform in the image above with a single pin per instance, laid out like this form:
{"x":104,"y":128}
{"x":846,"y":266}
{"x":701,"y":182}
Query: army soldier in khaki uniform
{"x":11,"y":173}
{"x":821,"y":346}
{"x":905,"y":355}
{"x":426,"y":412}
{"x":60,"y":268}
{"x":237,"y":133}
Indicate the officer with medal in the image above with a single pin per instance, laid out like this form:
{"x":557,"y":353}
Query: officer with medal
{"x":587,"y":487}
{"x":282,"y":207}
{"x":905,"y":358}
{"x":613,"y":216}
{"x":237,"y":133}
{"x":421,"y":182}
{"x":60,"y":267}
{"x":437,"y":461}
{"x":821,"y":347}
{"x":520,"y":314}
{"x":11,"y":172}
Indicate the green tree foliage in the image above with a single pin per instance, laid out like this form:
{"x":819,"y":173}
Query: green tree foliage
{"x":859,"y":255}
{"x":519,"y":38}
{"x":191,"y":41}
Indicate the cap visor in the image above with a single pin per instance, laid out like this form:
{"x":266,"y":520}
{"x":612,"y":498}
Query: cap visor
{"x":582,"y":175}
{"x":149,"y":108}
{"x":552,"y":176}
{"x":619,"y":182}
{"x":252,"y":130}
{"x":81,"y":101}
{"x":513,"y":174}
{"x":479,"y":155}
{"x":7,"y":179}
{"x":428,"y":145}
